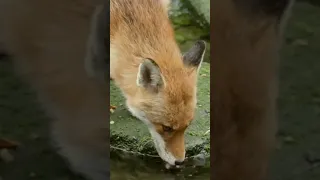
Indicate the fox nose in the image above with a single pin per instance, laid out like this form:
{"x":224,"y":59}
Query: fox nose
{"x":178,"y":163}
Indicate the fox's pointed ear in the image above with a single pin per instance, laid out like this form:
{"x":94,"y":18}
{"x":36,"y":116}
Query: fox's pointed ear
{"x":194,"y":57}
{"x":149,"y":76}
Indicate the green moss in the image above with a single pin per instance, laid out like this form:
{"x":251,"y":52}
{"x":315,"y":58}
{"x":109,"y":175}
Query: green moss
{"x":189,"y":27}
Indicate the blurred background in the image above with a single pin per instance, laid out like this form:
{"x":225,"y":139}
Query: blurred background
{"x":298,"y":153}
{"x":24,"y":121}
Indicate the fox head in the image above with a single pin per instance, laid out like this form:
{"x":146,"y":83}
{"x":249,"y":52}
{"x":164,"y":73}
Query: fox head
{"x":165,"y":101}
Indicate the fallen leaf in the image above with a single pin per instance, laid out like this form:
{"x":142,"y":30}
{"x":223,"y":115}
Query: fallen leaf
{"x":207,"y":132}
{"x":8,"y":144}
{"x":112,"y":108}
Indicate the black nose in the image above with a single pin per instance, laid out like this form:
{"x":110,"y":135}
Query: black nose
{"x":178,"y":163}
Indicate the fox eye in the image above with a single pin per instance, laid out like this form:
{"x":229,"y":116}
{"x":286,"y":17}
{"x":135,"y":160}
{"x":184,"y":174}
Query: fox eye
{"x":167,"y":128}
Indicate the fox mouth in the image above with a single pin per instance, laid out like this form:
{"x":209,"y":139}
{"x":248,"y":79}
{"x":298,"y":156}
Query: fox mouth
{"x":159,"y":143}
{"x":166,"y":156}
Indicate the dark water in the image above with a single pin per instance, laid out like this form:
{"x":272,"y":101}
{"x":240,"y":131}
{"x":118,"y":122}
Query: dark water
{"x":130,"y":167}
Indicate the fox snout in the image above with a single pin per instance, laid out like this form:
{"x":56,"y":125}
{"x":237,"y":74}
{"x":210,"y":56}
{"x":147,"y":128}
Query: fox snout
{"x":171,"y":148}
{"x":176,"y":146}
{"x":170,"y":144}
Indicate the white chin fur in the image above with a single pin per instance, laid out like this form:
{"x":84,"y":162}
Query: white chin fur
{"x":158,"y":140}
{"x":161,"y":148}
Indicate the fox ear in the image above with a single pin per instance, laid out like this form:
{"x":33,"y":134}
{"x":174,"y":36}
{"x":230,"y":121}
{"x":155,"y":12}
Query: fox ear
{"x":194,"y":56}
{"x":149,"y":76}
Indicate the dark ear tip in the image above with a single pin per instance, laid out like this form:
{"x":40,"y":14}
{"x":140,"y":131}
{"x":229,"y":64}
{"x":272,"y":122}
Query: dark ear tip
{"x":201,"y":44}
{"x":148,"y":61}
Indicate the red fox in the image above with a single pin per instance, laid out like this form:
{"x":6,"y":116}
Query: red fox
{"x":159,"y":83}
{"x":57,"y":46}
{"x":246,"y":36}
{"x":48,"y":41}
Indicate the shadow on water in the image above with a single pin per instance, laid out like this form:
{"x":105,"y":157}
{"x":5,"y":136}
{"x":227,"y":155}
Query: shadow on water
{"x":124,"y":166}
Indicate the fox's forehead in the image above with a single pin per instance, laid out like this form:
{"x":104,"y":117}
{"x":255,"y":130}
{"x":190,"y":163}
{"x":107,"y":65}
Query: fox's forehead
{"x":171,"y":110}
{"x":179,"y":117}
{"x":179,"y":108}
{"x":180,"y":98}
{"x":180,"y":90}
